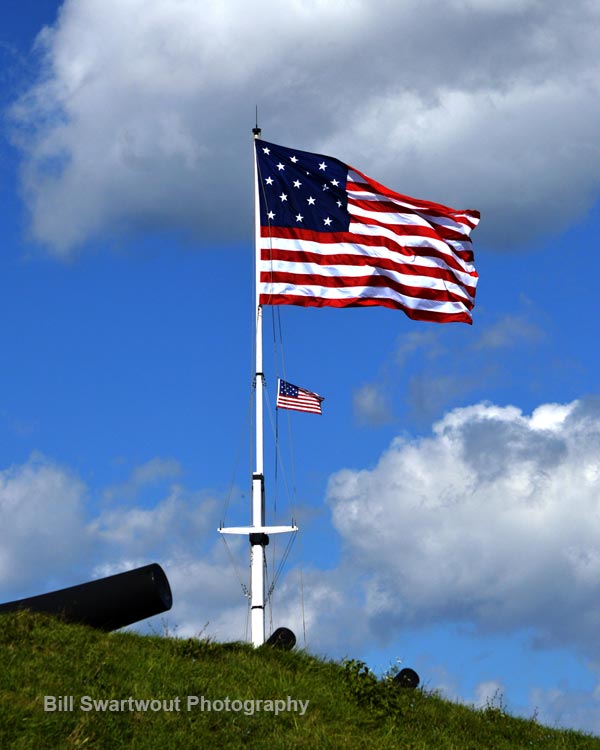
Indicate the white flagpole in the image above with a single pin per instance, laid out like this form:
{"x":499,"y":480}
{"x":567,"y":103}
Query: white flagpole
{"x":257,"y":572}
{"x":257,"y":532}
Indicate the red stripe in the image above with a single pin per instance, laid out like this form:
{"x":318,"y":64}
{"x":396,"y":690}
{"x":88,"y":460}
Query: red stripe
{"x":347,"y":282}
{"x":468,"y":217}
{"x":333,"y":238}
{"x":428,"y":315}
{"x":403,"y":230}
{"x":408,"y":269}
{"x":287,"y":402}
{"x":300,"y":398}
{"x":446,"y":233}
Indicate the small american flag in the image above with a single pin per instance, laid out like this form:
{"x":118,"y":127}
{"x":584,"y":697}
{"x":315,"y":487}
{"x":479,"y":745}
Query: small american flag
{"x":331,"y":236}
{"x":292,"y":397}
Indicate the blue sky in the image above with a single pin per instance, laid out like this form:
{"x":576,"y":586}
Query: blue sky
{"x":448,"y":496}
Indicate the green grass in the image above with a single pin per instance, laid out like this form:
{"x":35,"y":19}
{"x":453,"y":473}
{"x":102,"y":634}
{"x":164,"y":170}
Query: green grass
{"x":349,"y":707}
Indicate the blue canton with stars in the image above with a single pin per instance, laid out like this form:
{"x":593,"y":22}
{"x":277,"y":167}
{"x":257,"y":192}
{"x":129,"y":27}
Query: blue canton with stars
{"x":287,"y":389}
{"x":301,"y":190}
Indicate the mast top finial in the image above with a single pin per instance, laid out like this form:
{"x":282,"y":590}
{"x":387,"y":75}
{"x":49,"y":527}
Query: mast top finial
{"x":256,"y":131}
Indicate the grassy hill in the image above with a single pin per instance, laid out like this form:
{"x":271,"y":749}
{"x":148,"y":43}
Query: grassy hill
{"x":105,"y":679}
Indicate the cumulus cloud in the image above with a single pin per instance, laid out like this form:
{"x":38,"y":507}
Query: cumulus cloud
{"x":140,"y":115}
{"x":492,"y":520}
{"x":42,"y":528}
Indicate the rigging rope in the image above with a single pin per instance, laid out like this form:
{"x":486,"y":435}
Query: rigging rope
{"x":235,"y":567}
{"x":282,"y":562}
{"x":243,"y":435}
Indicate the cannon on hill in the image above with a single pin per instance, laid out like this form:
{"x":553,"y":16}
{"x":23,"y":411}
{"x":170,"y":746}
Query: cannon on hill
{"x":107,"y":603}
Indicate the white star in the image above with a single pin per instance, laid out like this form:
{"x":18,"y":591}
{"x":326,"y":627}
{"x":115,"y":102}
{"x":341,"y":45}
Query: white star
{"x":297,"y":183}
{"x":325,"y":187}
{"x":280,"y":166}
{"x":322,"y":166}
{"x":270,"y":215}
{"x":293,"y":159}
{"x":299,"y":217}
{"x":283,"y":197}
{"x":269,"y":180}
{"x":311,"y":201}
{"x":339,"y":204}
{"x":266,"y":150}
{"x":335,"y":183}
{"x":327,"y":221}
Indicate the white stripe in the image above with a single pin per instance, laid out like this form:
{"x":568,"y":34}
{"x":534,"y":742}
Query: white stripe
{"x":288,"y":402}
{"x":433,"y":220}
{"x":420,"y":243}
{"x":300,"y":398}
{"x":462,"y":279}
{"x":367,"y":292}
{"x":398,"y":218}
{"x":461,"y":246}
{"x":299,"y":401}
{"x":364,"y":192}
{"x":324,"y":249}
{"x":314,"y":269}
{"x":389,"y":218}
{"x":447,"y":222}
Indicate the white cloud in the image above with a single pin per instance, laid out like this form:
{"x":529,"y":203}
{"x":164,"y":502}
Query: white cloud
{"x":149,"y":473}
{"x":174,"y":523}
{"x":492,"y":520}
{"x":429,"y":393}
{"x":371,"y":405}
{"x":550,"y":416}
{"x":434,"y":376}
{"x":410,"y":343}
{"x":327,"y":605}
{"x":208,"y":599}
{"x":42,"y":529}
{"x":180,"y":533}
{"x":489,"y":694}
{"x":47,"y":541}
{"x":510,"y":330}
{"x":140,"y":117}
{"x":567,"y":707}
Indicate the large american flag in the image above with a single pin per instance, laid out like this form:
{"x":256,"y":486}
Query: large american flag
{"x":292,"y":397}
{"x":331,"y":236}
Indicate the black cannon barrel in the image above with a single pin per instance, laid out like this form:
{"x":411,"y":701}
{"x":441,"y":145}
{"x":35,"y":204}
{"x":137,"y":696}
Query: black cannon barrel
{"x":282,"y":638}
{"x":106,"y":603}
{"x":407,"y":678}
